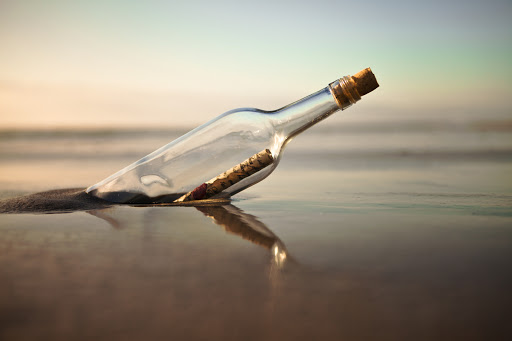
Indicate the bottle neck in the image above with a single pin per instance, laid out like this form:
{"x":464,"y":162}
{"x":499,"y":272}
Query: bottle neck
{"x":299,"y":116}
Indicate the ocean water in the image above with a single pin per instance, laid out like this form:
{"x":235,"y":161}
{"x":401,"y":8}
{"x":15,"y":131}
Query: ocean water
{"x":389,"y":230}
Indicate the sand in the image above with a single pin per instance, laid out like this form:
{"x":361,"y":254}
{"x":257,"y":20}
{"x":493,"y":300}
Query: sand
{"x":76,"y":199}
{"x":60,"y":200}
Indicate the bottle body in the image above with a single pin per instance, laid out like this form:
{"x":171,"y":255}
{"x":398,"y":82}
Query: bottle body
{"x":214,"y":147}
{"x":185,"y":163}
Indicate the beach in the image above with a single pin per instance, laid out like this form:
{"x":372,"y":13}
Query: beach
{"x":388,"y":230}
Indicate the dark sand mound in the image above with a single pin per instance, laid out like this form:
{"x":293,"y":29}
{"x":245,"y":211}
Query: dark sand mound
{"x":75,"y":199}
{"x":60,"y":200}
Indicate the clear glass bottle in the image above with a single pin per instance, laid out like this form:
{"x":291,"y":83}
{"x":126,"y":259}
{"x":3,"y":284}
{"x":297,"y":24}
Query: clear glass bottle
{"x":190,"y":161}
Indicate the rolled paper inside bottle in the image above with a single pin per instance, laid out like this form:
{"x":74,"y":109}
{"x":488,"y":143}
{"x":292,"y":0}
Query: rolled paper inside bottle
{"x":230,"y":177}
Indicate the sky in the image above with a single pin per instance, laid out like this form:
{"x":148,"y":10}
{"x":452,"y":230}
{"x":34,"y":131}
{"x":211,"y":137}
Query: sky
{"x":179,"y":63}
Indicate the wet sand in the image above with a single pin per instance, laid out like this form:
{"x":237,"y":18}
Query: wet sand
{"x":398,"y":245}
{"x":158,"y":272}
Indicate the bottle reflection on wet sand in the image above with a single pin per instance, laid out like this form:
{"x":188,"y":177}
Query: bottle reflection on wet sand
{"x":248,"y":227}
{"x":232,"y":219}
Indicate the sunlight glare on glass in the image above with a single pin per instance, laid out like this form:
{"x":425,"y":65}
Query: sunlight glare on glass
{"x":278,"y":142}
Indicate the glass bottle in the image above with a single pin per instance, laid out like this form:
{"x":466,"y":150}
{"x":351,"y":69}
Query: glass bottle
{"x":240,"y":147}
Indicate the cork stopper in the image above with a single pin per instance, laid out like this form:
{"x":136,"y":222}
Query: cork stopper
{"x":365,"y":81}
{"x":348,"y":90}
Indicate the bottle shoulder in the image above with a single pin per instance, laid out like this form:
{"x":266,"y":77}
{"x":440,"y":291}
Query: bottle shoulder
{"x":250,"y":117}
{"x":247,"y":110}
